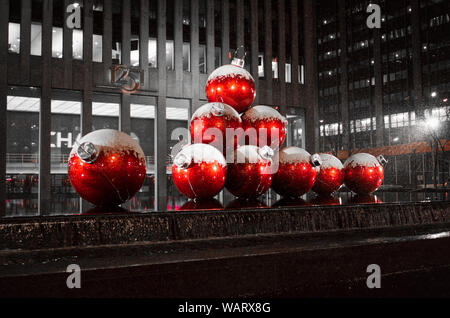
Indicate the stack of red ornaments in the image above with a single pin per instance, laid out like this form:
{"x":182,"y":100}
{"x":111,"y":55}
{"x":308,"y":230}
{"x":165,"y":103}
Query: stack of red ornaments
{"x":250,"y":138}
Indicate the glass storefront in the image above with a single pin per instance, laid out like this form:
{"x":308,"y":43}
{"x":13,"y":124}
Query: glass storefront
{"x":23,"y":150}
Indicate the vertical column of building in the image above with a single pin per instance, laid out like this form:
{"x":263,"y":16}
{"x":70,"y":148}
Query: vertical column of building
{"x":124,"y":116}
{"x":210,"y":37}
{"x":294,"y":51}
{"x":178,"y":45}
{"x":86,"y":109}
{"x":4,"y":18}
{"x":45,"y":110}
{"x":195,"y":71}
{"x":378,"y":98}
{"x":254,"y":45}
{"x":416,"y":53}
{"x":268,"y":50}
{"x":343,"y":61}
{"x":240,"y":23}
{"x":160,"y":122}
{"x":25,"y":41}
{"x":225,"y":32}
{"x":311,"y":80}
{"x":107,"y":37}
{"x":143,"y":42}
{"x":282,"y":56}
{"x":86,"y":112}
{"x":67,"y":48}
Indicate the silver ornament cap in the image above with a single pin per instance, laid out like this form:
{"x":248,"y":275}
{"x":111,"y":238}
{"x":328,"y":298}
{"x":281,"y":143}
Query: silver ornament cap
{"x":87,"y":152}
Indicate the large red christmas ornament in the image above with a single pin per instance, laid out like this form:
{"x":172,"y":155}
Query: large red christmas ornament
{"x":297,"y":172}
{"x":250,"y":175}
{"x":199,"y":171}
{"x":107,"y":167}
{"x":209,"y":123}
{"x":364,"y":173}
{"x":331,"y":175}
{"x":232,"y":85}
{"x":269,"y":127}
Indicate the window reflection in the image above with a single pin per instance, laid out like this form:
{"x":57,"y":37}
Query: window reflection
{"x":57,"y":42}
{"x":77,"y":44}
{"x":22,"y":155}
{"x":36,"y":39}
{"x":14,"y":38}
{"x":65,"y":130}
{"x":105,"y":115}
{"x":97,"y":48}
{"x":187,"y":57}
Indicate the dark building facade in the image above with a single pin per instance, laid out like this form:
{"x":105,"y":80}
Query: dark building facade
{"x":57,"y":82}
{"x":342,"y":86}
{"x":385,"y":90}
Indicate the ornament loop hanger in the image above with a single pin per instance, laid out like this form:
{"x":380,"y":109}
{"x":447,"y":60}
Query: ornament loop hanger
{"x":315,"y":160}
{"x":266,"y":153}
{"x":237,"y":59}
{"x":383,"y":161}
{"x":182,"y":160}
{"x":218,"y":109}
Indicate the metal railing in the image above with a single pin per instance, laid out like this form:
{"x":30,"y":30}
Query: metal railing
{"x":23,"y":159}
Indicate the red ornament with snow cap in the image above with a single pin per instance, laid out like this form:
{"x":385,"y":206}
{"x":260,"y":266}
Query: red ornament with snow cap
{"x":331,"y":175}
{"x":209,"y":123}
{"x":107,"y":167}
{"x":199,"y":171}
{"x":265,"y":124}
{"x":250,"y":175}
{"x":296,"y":173}
{"x":364,"y":173}
{"x":232,"y":85}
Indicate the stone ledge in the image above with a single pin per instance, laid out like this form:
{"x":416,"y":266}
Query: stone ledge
{"x":72,"y":231}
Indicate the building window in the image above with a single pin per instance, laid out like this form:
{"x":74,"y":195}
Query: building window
{"x":14,"y":38}
{"x":77,"y":44}
{"x":22,"y":155}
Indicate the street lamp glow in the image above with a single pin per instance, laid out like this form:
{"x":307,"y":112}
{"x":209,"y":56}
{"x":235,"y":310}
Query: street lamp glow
{"x":395,"y":139}
{"x":433,"y":94}
{"x":432,"y":123}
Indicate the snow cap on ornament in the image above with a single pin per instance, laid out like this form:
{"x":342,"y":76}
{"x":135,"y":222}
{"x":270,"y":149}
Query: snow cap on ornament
{"x":104,"y":141}
{"x":290,"y":155}
{"x":198,"y":153}
{"x":232,"y":84}
{"x":365,"y":159}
